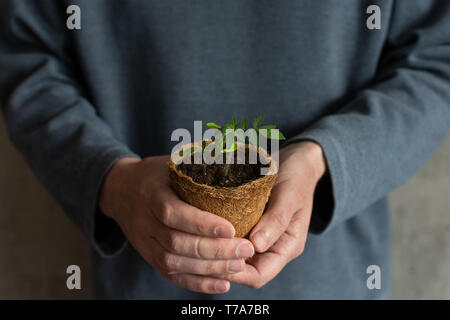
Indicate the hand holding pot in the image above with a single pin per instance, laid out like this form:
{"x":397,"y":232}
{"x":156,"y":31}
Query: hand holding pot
{"x":280,"y":235}
{"x":190,"y":247}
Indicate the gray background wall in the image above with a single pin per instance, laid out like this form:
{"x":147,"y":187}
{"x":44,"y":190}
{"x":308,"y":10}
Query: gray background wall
{"x":37,"y":242}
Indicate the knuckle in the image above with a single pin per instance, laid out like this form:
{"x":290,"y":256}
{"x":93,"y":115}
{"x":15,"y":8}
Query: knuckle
{"x":178,"y":279}
{"x":209,"y":268}
{"x":204,"y":249}
{"x":199,"y":228}
{"x":169,"y":262}
{"x":172,"y":242}
{"x":281,"y":219}
{"x":204,"y":286}
{"x":166,"y":215}
{"x":218,"y":252}
{"x":198,"y":248}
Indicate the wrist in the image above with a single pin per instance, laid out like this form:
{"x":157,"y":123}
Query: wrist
{"x":317,"y":159}
{"x":113,"y":183}
{"x":313,"y":154}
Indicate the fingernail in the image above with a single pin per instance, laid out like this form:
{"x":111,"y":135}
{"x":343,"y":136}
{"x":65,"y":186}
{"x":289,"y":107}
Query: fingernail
{"x":260,"y":240}
{"x":224,"y":232}
{"x":244,"y":250}
{"x":221,"y":286}
{"x":234,"y":266}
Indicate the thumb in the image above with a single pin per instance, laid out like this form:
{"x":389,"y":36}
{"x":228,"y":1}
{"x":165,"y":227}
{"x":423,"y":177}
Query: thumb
{"x":276,"y":219}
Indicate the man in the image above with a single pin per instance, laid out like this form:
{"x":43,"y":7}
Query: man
{"x":362,"y":108}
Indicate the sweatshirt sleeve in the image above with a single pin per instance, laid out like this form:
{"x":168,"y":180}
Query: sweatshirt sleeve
{"x":389,"y":129}
{"x":50,"y":118}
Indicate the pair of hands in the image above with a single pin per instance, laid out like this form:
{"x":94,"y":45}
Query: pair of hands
{"x":196,"y":249}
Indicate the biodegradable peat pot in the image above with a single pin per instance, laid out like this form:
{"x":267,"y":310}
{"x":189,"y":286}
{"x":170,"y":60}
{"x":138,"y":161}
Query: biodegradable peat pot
{"x":242,"y":205}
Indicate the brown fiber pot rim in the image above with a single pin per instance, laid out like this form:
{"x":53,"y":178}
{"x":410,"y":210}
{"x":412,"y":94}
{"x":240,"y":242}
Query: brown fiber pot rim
{"x":236,"y":191}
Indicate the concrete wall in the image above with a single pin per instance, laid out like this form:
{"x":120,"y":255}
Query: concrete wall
{"x":37,"y":242}
{"x":421,"y":232}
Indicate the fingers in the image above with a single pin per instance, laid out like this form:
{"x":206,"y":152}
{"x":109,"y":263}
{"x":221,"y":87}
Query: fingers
{"x":170,"y":264}
{"x":259,"y":271}
{"x":201,"y":284}
{"x":179,"y":215}
{"x":262,"y":268}
{"x":189,"y":245}
{"x":292,"y":243}
{"x":277,"y":217}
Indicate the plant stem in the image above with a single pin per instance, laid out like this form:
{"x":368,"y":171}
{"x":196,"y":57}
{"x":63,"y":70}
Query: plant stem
{"x":204,"y":169}
{"x":226,"y":169}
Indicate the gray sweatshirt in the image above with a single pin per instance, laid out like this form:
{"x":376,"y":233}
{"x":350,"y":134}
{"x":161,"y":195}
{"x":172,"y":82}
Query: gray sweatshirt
{"x":376,"y":100}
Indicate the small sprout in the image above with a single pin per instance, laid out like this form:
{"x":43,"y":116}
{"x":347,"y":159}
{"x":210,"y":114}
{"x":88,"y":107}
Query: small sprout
{"x":269,"y":131}
{"x":272,"y":133}
{"x":257,"y":122}
{"x":244,"y":124}
{"x":230,"y":149}
{"x":226,"y":127}
{"x":234,"y":123}
{"x":213,"y":125}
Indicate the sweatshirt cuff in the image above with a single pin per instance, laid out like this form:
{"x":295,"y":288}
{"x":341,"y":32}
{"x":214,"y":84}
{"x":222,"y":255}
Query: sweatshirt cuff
{"x":331,"y":190}
{"x":104,"y":234}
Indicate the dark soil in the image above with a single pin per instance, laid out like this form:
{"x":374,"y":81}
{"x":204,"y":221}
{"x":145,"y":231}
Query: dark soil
{"x":222,"y":175}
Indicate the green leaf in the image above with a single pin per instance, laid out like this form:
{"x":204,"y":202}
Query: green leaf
{"x":268,"y":130}
{"x":244,"y":124}
{"x":226,"y":126}
{"x":280,"y":136}
{"x":218,"y":143}
{"x":228,"y":137}
{"x":231,"y":149}
{"x":213,"y":125}
{"x":234,"y":122}
{"x":203,"y":145}
{"x":257,"y":122}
